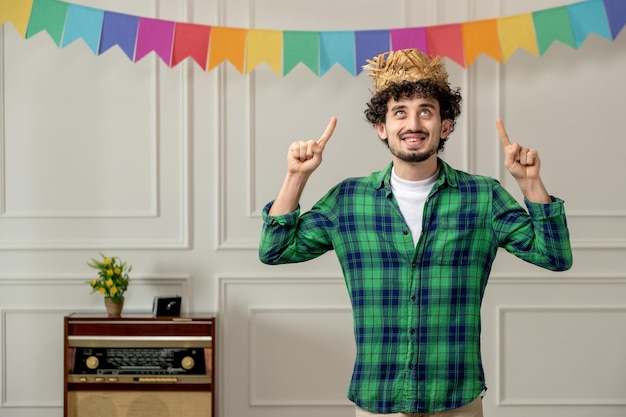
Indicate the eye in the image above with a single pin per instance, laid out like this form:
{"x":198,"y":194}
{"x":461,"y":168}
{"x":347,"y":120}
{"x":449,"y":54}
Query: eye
{"x":399,"y":113}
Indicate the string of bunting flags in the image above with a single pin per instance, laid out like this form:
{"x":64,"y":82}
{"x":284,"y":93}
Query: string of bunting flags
{"x":283,"y":50}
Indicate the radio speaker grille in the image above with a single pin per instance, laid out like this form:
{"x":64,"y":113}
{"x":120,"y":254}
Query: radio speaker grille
{"x":139,"y":404}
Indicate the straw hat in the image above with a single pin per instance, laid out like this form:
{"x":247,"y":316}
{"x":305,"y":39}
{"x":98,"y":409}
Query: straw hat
{"x":406,"y":64}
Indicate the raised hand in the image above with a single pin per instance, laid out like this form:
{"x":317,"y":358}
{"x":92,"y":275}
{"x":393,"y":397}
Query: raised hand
{"x":305,"y":156}
{"x":523,"y":163}
{"x":302,"y":159}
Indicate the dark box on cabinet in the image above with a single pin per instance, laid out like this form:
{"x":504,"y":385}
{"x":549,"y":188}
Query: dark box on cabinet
{"x":166,"y":306}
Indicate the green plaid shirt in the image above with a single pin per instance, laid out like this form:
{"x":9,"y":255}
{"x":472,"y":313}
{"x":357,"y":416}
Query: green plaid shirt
{"x":416,"y":309}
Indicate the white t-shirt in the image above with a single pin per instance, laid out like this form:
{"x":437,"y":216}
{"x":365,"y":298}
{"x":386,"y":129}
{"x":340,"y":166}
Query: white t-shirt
{"x":411,"y":197}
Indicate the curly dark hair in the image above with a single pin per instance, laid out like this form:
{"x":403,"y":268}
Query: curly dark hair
{"x":449,"y":100}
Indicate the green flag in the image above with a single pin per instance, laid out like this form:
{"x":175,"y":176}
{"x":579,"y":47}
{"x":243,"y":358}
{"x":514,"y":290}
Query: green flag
{"x":553,"y":25}
{"x":48,"y":15}
{"x":300,"y":46}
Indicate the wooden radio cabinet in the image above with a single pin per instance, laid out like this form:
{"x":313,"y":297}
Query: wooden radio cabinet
{"x":138,"y":365}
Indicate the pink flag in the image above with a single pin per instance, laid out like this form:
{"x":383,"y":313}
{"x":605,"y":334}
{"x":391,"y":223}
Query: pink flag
{"x":155,"y":35}
{"x":409,"y":38}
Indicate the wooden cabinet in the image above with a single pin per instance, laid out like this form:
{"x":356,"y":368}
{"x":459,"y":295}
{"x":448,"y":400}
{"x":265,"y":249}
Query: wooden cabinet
{"x":139,"y":365}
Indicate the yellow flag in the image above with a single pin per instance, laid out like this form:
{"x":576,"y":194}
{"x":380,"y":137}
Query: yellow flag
{"x":265,"y":46}
{"x":16,"y":12}
{"x":517,"y":31}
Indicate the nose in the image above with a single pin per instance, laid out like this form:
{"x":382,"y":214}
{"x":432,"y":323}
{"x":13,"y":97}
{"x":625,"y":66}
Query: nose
{"x":414,"y":122}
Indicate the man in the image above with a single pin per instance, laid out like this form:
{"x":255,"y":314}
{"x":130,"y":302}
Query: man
{"x":416,"y":242}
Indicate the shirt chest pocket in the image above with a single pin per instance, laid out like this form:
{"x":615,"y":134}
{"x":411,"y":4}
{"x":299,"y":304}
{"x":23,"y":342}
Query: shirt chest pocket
{"x":460,"y":242}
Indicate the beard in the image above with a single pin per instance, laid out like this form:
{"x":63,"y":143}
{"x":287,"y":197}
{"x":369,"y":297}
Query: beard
{"x":414,"y":156}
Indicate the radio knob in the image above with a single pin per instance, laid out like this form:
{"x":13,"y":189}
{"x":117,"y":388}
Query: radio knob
{"x":187,"y":362}
{"x":92,"y":362}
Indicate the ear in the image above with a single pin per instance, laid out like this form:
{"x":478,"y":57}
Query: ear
{"x":446,"y":128}
{"x":382,"y":132}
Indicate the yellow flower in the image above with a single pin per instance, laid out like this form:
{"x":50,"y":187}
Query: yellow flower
{"x":113,"y":276}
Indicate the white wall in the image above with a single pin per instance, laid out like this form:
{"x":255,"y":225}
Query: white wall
{"x":170,"y":168}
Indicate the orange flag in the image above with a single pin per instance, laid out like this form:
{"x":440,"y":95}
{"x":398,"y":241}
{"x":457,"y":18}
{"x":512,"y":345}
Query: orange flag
{"x":480,"y":37}
{"x":517,"y":31}
{"x":16,"y":12}
{"x":227,"y":43}
{"x":265,"y":45}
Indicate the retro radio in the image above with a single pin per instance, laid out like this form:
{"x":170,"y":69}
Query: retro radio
{"x":139,"y":366}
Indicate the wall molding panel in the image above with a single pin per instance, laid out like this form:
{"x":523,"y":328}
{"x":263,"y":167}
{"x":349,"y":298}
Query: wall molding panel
{"x":572,"y":334}
{"x":80,"y":217}
{"x":275,"y":331}
{"x":308,"y":342}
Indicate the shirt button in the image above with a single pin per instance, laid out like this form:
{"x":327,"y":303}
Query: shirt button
{"x":405,"y":232}
{"x":412,"y":298}
{"x":412,"y":331}
{"x":414,"y":264}
{"x":410,"y":366}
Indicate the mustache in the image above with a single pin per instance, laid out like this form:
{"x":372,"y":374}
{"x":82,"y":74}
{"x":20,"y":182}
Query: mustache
{"x":413,"y":132}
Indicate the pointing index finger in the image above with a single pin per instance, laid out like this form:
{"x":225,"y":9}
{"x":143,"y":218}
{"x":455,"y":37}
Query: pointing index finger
{"x":504,"y":137}
{"x":328,"y":132}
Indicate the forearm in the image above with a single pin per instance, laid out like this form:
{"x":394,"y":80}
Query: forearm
{"x":289,"y":194}
{"x":535,"y":191}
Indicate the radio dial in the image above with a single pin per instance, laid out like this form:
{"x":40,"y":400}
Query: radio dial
{"x":187,"y":362}
{"x":92,"y":362}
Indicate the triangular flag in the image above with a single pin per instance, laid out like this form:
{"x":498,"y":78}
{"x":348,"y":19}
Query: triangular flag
{"x":191,"y":40}
{"x":83,"y":22}
{"x":48,"y":15}
{"x":589,"y":17}
{"x":446,"y":41}
{"x":553,"y":25}
{"x":227,"y":44}
{"x":337,"y":47}
{"x":301,"y":46}
{"x":16,"y":12}
{"x":480,"y":37}
{"x":119,"y":29}
{"x":370,"y":43}
{"x":265,"y":46}
{"x":155,"y":35}
{"x":515,"y":32}
{"x":409,"y":38}
{"x":616,"y":12}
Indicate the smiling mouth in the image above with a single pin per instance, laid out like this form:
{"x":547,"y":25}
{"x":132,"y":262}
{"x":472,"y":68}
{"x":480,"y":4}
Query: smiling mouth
{"x":414,"y":137}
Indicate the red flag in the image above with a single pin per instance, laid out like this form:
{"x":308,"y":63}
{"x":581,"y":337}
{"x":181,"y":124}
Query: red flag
{"x":447,"y":41}
{"x":191,"y":40}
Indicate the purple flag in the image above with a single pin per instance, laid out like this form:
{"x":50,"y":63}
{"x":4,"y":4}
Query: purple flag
{"x":409,"y":38}
{"x":155,"y":35}
{"x":119,"y":29}
{"x":616,"y":12}
{"x":369,"y":43}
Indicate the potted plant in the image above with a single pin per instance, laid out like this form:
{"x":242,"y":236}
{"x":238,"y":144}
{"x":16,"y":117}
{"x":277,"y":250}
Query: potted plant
{"x":112,"y":282}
